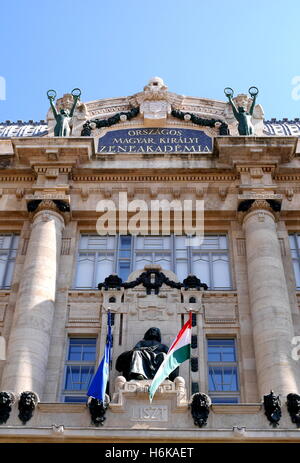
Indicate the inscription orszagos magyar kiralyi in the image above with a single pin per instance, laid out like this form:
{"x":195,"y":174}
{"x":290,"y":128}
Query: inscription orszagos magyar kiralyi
{"x":155,"y":140}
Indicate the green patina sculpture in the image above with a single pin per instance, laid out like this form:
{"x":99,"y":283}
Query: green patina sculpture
{"x":243,"y":117}
{"x":63,"y":117}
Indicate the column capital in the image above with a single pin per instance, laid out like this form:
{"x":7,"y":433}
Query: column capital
{"x":248,"y":206}
{"x":62,"y":208}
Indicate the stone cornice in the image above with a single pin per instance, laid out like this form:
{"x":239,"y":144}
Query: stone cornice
{"x":17,"y":177}
{"x":67,"y":151}
{"x":170,"y":175}
{"x":241,"y":409}
{"x":201,"y":106}
{"x":288,"y":177}
{"x":234,"y":151}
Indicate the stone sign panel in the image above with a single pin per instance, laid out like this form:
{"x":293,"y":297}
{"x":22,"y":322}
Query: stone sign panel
{"x":149,"y":413}
{"x":155,"y":140}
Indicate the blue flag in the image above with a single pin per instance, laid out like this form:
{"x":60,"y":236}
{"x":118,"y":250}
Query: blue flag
{"x":99,"y":382}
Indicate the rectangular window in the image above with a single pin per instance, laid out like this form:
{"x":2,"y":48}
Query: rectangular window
{"x":153,"y":250}
{"x":210,"y":262}
{"x":223,"y":385}
{"x":99,"y":256}
{"x":8,"y":252}
{"x":295,"y":252}
{"x":124,"y":261}
{"x":79,"y":368}
{"x":96,"y":259}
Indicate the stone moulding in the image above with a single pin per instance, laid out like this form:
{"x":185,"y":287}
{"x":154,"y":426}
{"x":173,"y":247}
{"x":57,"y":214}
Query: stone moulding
{"x":106,"y":435}
{"x":272,"y":150}
{"x":64,"y":151}
{"x":238,"y":409}
{"x":175,"y":391}
{"x":55,"y":407}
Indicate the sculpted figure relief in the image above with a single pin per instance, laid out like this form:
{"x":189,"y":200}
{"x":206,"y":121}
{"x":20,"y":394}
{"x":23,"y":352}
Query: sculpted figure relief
{"x":245,"y":126}
{"x":143,"y":361}
{"x":63,"y":117}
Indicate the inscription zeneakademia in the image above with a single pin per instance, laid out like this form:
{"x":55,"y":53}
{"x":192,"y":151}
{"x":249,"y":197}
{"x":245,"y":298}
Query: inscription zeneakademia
{"x":155,"y":140}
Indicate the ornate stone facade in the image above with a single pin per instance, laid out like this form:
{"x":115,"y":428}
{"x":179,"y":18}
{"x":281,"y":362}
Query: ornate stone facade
{"x":50,"y":193}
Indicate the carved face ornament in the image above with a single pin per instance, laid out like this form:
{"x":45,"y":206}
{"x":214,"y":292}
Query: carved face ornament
{"x":156,"y":84}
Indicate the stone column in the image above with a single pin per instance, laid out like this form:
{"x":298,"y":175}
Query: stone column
{"x":28,"y":346}
{"x":270,"y":309}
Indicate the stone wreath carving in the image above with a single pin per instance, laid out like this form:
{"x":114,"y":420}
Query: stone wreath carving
{"x":27,"y":404}
{"x":272,"y":407}
{"x":97,"y":410}
{"x":7,"y":399}
{"x":293,"y":406}
{"x":200,"y":404}
{"x":218,"y":123}
{"x":88,"y":126}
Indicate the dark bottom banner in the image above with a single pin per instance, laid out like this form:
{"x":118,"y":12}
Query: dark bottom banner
{"x":145,"y":452}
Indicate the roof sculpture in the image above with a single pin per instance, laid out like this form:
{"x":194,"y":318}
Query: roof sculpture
{"x":153,"y":107}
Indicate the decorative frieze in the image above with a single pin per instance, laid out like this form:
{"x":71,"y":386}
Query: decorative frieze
{"x":16,"y":178}
{"x":83,"y":313}
{"x":127,"y":393}
{"x":84,"y":296}
{"x":223,"y":313}
{"x":112,"y":177}
{"x":52,"y":172}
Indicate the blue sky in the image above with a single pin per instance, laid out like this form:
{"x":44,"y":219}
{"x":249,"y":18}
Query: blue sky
{"x":111,"y":49}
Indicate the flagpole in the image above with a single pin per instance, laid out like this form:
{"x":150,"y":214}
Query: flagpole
{"x":97,"y":388}
{"x":109,"y":326}
{"x":190,"y":362}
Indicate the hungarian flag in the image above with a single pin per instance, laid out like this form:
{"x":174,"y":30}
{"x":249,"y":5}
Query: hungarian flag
{"x":179,"y":351}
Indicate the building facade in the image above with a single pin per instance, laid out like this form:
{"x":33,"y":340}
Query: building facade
{"x":121,"y":195}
